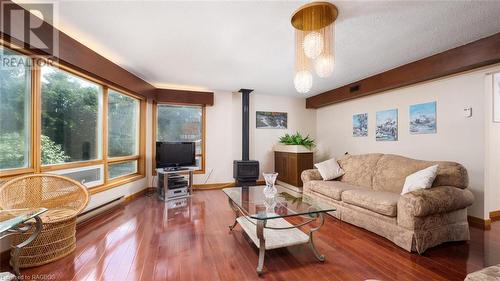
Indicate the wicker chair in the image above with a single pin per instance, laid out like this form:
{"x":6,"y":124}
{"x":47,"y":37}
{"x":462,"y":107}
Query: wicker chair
{"x":63,"y":197}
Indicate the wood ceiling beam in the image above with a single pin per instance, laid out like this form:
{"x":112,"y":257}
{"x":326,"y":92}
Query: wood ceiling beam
{"x":184,"y":97}
{"x":476,"y":54}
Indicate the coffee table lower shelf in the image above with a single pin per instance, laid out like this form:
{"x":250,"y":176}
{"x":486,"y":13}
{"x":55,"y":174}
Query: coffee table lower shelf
{"x":274,"y":238}
{"x":277,"y":233}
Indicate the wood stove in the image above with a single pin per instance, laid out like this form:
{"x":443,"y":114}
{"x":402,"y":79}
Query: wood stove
{"x":245,"y":171}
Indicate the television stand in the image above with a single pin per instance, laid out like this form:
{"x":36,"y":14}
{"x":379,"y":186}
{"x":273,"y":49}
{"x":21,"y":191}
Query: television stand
{"x":173,"y":169}
{"x":174,"y":184}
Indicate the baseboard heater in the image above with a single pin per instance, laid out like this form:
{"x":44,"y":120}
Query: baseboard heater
{"x":99,"y":209}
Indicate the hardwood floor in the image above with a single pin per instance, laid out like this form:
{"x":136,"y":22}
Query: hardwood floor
{"x":145,"y":241}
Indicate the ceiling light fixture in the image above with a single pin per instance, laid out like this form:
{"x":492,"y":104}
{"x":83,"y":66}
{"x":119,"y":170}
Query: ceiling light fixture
{"x":314,"y":25}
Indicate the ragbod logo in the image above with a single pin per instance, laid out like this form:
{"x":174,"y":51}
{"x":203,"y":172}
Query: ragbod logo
{"x":31,"y":25}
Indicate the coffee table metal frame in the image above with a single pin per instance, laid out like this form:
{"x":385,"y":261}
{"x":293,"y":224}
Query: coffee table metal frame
{"x":18,"y":225}
{"x":261,"y":224}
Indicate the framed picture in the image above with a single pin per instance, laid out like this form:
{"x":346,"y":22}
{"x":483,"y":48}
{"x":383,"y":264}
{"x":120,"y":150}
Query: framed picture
{"x":271,"y":120}
{"x":360,"y":125}
{"x":496,"y":97}
{"x":387,"y":125}
{"x":423,"y":118}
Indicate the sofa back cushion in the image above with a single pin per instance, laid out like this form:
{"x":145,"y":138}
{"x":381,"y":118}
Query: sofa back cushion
{"x":392,"y":170}
{"x":359,"y":169}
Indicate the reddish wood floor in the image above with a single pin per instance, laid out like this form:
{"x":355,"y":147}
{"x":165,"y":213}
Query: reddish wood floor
{"x":145,"y":241}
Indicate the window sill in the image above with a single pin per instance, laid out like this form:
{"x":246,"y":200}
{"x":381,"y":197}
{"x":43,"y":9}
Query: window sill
{"x":11,"y":173}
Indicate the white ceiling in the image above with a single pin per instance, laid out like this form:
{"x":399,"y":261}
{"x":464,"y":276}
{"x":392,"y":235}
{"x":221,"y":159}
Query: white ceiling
{"x":224,"y":46}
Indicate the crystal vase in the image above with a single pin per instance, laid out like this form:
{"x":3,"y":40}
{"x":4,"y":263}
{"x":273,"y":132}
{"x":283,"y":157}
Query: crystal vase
{"x":270,"y":190}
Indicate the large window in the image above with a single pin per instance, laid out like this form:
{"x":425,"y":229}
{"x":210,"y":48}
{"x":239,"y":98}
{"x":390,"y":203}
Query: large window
{"x":123,"y":134}
{"x":182,"y":123}
{"x":56,"y":120}
{"x":71,"y":113}
{"x":123,"y":125}
{"x":15,"y":106}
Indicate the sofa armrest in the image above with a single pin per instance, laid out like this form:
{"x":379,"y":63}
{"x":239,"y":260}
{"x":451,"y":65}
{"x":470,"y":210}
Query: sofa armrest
{"x":310,"y":175}
{"x":435,"y":200}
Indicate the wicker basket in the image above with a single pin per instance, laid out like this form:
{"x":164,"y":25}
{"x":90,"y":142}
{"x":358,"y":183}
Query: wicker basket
{"x":64,"y":198}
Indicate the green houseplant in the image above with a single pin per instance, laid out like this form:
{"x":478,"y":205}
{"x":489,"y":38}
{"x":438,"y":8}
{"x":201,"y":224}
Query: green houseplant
{"x":297,"y":139}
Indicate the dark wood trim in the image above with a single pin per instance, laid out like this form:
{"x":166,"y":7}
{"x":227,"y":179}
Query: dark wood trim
{"x":184,"y":97}
{"x":78,"y":56}
{"x":479,"y":53}
{"x":479,"y":222}
{"x":135,"y":196}
{"x":495,"y":215}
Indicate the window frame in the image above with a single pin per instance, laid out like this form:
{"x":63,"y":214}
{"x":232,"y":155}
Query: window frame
{"x":203,"y":134}
{"x":35,"y":165}
{"x":101,"y":118}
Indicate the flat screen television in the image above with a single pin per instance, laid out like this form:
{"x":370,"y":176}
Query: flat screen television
{"x":175,"y":154}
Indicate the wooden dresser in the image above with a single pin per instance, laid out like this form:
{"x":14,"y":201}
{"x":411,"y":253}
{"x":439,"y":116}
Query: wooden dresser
{"x":290,"y":165}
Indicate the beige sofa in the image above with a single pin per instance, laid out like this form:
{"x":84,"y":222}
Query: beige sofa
{"x":368,"y":196}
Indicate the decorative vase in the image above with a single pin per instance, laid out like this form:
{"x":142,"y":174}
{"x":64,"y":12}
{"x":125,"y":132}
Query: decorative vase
{"x":270,"y":190}
{"x":270,"y":203}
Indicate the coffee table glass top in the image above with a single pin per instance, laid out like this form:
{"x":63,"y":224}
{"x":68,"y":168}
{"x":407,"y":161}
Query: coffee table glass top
{"x":16,"y":217}
{"x":252,"y":202}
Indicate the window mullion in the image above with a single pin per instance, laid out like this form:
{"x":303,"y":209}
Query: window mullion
{"x":105,"y":132}
{"x":36,"y":116}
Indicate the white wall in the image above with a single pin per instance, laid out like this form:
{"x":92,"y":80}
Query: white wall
{"x":457,"y":139}
{"x":223,"y":132}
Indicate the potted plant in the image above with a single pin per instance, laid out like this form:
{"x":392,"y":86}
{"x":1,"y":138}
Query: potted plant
{"x":295,"y":143}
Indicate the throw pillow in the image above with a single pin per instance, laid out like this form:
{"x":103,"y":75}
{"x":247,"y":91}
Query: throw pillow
{"x":420,"y":180}
{"x":329,"y":169}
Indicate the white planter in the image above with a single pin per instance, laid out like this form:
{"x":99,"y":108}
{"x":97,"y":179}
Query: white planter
{"x":291,"y":148}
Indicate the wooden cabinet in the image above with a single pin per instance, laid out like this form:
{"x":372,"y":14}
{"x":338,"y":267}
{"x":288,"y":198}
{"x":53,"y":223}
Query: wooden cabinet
{"x":290,"y":165}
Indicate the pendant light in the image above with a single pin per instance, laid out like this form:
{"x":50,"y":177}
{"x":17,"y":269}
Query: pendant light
{"x":314,"y":25}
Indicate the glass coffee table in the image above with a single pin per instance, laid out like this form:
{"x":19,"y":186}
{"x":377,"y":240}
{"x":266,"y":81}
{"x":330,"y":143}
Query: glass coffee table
{"x":263,"y":219}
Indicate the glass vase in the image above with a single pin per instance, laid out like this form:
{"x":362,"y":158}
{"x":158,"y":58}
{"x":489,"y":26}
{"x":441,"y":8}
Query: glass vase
{"x":270,"y":189}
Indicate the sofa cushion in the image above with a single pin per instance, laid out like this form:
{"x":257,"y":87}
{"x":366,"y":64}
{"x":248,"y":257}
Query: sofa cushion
{"x":420,"y":179}
{"x":392,"y":170}
{"x":329,"y":169}
{"x":359,"y":169}
{"x":385,"y":203}
{"x":332,"y":189}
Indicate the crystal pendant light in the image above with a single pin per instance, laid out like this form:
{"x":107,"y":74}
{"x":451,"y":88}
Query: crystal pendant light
{"x":303,"y":81}
{"x":324,"y":65}
{"x":314,"y":24}
{"x":313,"y":44}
